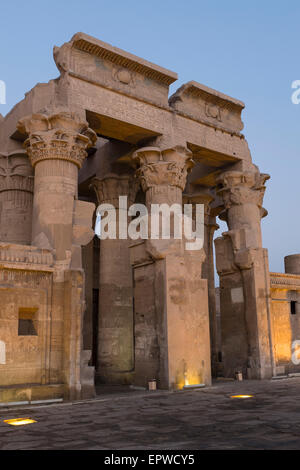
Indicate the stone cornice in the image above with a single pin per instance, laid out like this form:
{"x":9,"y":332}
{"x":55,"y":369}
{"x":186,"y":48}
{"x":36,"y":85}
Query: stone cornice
{"x":199,"y":90}
{"x":122,"y":58}
{"x":203,"y":103}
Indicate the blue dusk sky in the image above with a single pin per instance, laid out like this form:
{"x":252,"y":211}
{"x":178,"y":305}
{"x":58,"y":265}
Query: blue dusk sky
{"x":248,"y":50}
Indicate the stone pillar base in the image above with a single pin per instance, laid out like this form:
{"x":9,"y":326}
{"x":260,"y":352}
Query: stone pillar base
{"x":172,"y":342}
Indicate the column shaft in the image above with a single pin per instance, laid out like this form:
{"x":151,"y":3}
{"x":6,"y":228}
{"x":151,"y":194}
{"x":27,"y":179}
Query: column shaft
{"x":115,"y":333}
{"x":244,"y":276}
{"x":170,"y":296}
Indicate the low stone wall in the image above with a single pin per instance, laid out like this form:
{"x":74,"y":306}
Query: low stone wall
{"x":285,"y":321}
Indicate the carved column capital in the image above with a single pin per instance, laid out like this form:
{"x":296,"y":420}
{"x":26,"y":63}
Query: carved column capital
{"x":16,"y":173}
{"x":239,"y":188}
{"x":109,"y":188}
{"x":201,"y":197}
{"x":242,"y":194}
{"x":16,"y":198}
{"x":167,"y":167}
{"x":61,"y":136}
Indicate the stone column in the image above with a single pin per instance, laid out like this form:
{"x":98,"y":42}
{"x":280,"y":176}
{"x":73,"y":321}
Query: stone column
{"x":215,"y":333}
{"x":171,"y":304}
{"x":208,"y":270}
{"x":56,"y":146}
{"x":242,"y":264}
{"x":16,"y":198}
{"x":115,"y":333}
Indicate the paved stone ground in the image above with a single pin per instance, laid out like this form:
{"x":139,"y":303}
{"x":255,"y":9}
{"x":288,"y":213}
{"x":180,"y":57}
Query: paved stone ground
{"x":199,"y":419}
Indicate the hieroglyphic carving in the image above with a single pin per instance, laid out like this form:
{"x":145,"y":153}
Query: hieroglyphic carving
{"x":25,"y":276}
{"x":120,"y":107}
{"x":18,"y":255}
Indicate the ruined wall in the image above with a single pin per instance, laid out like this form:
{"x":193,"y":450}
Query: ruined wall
{"x":285,"y":309}
{"x":31,"y":325}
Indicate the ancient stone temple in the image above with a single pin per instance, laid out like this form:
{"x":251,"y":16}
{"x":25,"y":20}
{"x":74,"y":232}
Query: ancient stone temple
{"x":78,"y":310}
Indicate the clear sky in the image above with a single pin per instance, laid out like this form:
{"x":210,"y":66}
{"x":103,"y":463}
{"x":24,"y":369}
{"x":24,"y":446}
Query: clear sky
{"x":249,"y":50}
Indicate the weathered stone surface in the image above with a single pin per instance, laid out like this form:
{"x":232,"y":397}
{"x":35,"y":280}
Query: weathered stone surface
{"x":242,"y":264}
{"x":100,"y":63}
{"x":16,"y":198}
{"x":207,"y":105}
{"x":172,"y":332}
{"x":115,"y":333}
{"x":142,"y":310}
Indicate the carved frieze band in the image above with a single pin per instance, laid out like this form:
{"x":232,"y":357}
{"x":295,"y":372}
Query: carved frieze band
{"x":290,"y":281}
{"x":26,"y":277}
{"x":19,"y":255}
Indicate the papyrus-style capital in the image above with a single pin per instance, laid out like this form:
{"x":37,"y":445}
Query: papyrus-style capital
{"x":62,"y":136}
{"x":201,"y":197}
{"x":163,"y":167}
{"x":109,"y":188}
{"x":239,"y":188}
{"x":16,"y":198}
{"x":16,"y":173}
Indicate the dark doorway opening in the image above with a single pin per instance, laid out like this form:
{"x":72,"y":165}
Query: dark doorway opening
{"x":95,"y":327}
{"x":293,"y":307}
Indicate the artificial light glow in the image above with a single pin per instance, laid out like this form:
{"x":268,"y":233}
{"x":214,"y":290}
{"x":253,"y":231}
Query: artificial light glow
{"x":190,"y":380}
{"x":241,"y":396}
{"x":19,"y":421}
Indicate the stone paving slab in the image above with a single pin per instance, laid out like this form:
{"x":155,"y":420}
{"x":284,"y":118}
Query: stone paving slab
{"x":195,"y":419}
